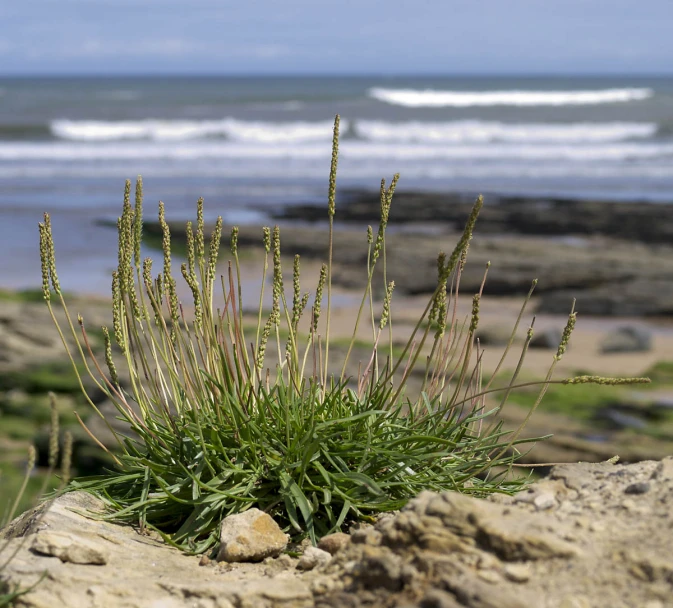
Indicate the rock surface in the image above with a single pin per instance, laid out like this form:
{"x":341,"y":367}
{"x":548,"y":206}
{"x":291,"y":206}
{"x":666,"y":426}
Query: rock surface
{"x":250,"y":536}
{"x":573,"y":246}
{"x":606,"y":275}
{"x":589,"y":535}
{"x":548,"y":338}
{"x":333,"y":543}
{"x":637,"y":221}
{"x":313,"y":557}
{"x":627,"y":339}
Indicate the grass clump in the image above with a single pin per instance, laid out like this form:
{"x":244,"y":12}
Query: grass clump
{"x":224,"y":419}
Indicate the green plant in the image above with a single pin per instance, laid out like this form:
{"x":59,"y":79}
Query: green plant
{"x":223,"y":420}
{"x":8,"y":593}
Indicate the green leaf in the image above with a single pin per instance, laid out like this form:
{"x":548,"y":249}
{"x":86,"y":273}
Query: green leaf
{"x":293,"y":494}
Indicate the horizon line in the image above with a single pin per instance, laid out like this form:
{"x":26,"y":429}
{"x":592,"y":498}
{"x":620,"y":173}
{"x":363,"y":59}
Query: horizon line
{"x":177,"y":74}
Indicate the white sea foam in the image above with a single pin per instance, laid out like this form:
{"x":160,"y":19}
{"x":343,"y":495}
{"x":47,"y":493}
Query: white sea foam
{"x":350,"y":149}
{"x":256,"y":132}
{"x":477,"y":131}
{"x":238,"y":130}
{"x":428,"y":98}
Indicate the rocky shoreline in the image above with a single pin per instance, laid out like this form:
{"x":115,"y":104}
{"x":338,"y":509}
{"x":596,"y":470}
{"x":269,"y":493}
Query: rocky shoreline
{"x":616,"y":259}
{"x":632,"y":221}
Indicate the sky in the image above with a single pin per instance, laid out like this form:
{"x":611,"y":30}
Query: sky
{"x":105,"y":37}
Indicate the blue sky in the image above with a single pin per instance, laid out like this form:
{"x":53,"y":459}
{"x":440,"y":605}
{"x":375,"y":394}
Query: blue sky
{"x":344,"y":36}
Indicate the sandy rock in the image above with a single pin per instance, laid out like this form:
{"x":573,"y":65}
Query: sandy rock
{"x":481,"y":524}
{"x":250,"y":536}
{"x":601,"y":547}
{"x":140,"y":571}
{"x":518,"y":573}
{"x":313,"y":557}
{"x":544,"y":501}
{"x":69,"y":548}
{"x":380,"y":568}
{"x":664,"y":471}
{"x":332,"y":543}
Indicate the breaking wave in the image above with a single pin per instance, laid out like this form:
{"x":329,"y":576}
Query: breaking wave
{"x":230,"y":128}
{"x":476,"y":131}
{"x":428,"y":98}
{"x":254,"y":132}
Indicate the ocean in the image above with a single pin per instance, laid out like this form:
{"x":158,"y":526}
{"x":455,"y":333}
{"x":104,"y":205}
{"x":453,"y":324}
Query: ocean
{"x":248,"y":145}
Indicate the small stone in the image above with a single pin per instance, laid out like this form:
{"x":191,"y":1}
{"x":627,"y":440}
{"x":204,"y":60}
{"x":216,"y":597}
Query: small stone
{"x":544,"y":501}
{"x":487,"y":561}
{"x":250,"y":536}
{"x":69,"y":548}
{"x":490,"y":576}
{"x":204,"y":561}
{"x":642,"y":487}
{"x":517,"y":573}
{"x":332,"y":543}
{"x":313,"y":558}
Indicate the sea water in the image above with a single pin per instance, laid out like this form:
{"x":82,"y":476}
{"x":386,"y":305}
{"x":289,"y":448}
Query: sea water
{"x":250,"y":145}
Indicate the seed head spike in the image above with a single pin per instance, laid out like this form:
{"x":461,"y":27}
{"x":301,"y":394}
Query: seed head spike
{"x":385,"y":315}
{"x":567,"y":331}
{"x":331,"y":196}
{"x":200,"y":238}
{"x":138,"y":221}
{"x":318,"y":296}
{"x":214,"y":250}
{"x":234,"y":240}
